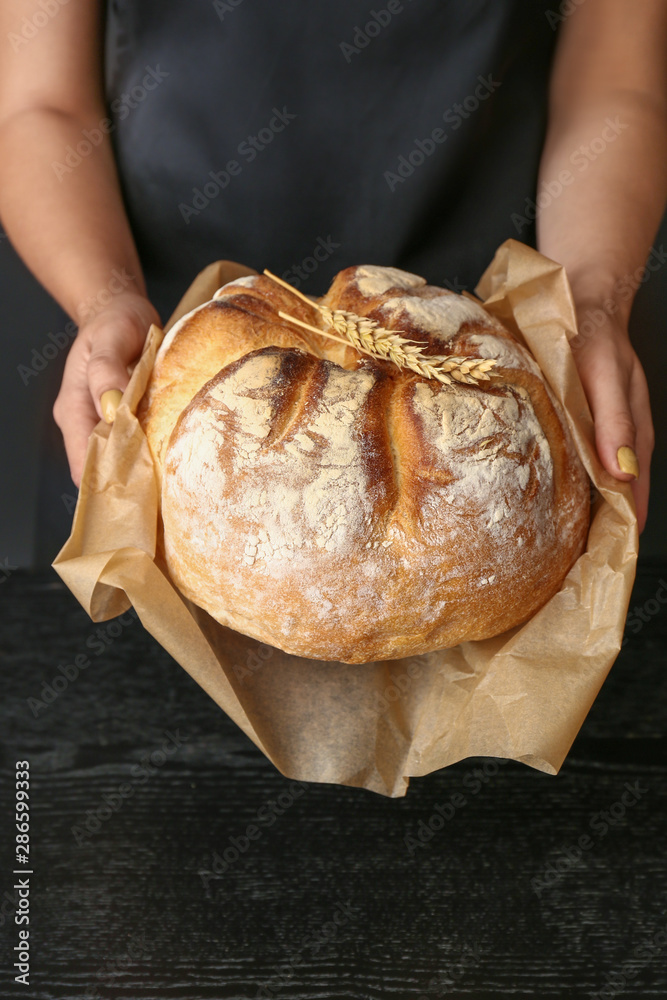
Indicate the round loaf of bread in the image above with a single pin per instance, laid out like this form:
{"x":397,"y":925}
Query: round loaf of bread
{"x":341,"y":508}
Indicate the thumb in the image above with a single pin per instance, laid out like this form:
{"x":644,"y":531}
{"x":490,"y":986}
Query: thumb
{"x":116,"y":339}
{"x":606,"y":381}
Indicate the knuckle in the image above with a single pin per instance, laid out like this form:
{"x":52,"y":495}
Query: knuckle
{"x":623,"y":423}
{"x":615,"y":424}
{"x":101,"y":364}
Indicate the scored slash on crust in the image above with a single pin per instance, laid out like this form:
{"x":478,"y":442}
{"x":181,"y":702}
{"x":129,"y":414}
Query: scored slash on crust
{"x":368,"y":337}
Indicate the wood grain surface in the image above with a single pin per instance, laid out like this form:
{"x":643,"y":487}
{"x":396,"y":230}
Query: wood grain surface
{"x":520,"y":885}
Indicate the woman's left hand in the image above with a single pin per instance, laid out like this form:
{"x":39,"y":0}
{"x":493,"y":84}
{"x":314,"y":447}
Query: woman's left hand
{"x":617,"y":393}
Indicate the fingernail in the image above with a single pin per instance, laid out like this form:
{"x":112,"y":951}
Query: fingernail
{"x":627,"y":461}
{"x":109,"y":401}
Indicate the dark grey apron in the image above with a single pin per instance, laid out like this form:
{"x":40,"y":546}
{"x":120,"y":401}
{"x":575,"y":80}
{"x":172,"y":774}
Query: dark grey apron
{"x":308,"y":136}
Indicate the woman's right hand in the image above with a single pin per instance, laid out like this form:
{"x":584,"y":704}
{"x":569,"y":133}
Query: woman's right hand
{"x":107,"y":342}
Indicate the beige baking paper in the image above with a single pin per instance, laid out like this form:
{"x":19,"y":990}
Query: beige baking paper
{"x":521,"y":695}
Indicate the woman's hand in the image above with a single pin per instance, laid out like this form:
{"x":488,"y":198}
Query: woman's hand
{"x":609,"y":67}
{"x":107,"y":342}
{"x":71,"y":230}
{"x":617,"y":393}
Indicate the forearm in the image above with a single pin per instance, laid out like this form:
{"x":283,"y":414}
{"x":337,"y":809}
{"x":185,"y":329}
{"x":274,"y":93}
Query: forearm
{"x":609,"y":155}
{"x":602,"y":191}
{"x":69,"y":226}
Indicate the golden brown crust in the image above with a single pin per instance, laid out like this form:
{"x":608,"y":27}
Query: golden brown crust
{"x":340,"y":508}
{"x":239,"y":320}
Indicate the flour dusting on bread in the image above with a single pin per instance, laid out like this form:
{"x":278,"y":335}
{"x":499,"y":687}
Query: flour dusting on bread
{"x":355,"y":511}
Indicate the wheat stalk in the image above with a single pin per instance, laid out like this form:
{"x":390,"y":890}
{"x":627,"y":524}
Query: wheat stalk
{"x":368,"y":337}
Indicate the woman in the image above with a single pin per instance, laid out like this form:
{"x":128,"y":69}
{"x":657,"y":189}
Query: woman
{"x":278,"y":135}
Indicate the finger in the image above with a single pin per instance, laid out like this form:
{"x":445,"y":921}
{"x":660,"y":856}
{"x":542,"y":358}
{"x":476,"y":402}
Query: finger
{"x":606,"y":380}
{"x":107,"y":370}
{"x":75,"y":414}
{"x":641,"y":411}
{"x":113,"y":347}
{"x":84,"y":420}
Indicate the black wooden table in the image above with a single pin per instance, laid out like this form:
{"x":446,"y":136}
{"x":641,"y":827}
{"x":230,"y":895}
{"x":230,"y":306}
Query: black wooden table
{"x":170,"y":860}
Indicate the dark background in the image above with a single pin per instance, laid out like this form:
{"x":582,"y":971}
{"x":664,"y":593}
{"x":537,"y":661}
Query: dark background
{"x":500,"y":901}
{"x":37,"y":493}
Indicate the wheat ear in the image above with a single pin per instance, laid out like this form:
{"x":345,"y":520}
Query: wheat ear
{"x":368,"y":337}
